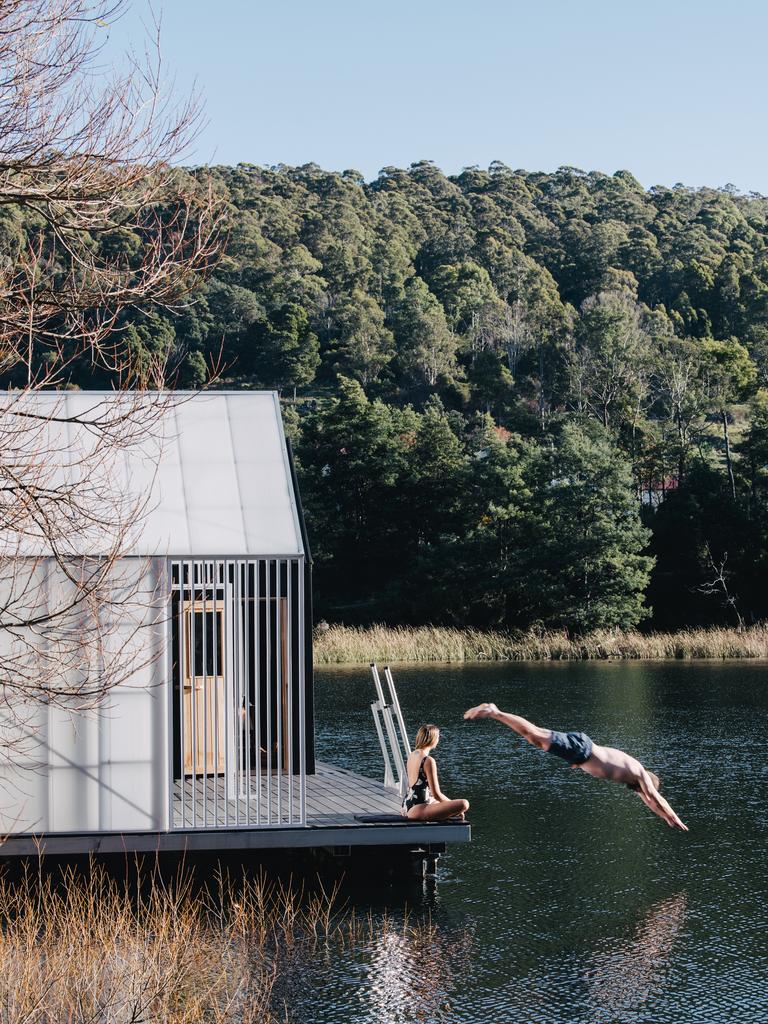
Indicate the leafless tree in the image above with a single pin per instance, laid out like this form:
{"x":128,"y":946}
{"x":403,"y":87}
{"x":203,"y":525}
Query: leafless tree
{"x":84,"y":151}
{"x":503,"y":327}
{"x":717,"y":585}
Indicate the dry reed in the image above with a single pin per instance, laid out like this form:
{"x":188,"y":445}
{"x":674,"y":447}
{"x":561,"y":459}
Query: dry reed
{"x":340,"y":644}
{"x":86,"y":948}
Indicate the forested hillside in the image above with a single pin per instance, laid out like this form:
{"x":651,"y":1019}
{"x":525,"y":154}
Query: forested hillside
{"x":515,"y":398}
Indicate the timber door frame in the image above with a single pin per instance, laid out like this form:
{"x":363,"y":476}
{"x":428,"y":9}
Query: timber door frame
{"x":211,"y":759}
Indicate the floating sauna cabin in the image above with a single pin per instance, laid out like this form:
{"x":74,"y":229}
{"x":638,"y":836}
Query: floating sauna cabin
{"x":208,"y":742}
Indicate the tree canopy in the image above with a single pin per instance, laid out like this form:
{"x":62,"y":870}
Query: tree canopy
{"x":474,"y":364}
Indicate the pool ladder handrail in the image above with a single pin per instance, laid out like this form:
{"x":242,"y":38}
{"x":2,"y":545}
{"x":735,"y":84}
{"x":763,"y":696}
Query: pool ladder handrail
{"x":388,"y":719}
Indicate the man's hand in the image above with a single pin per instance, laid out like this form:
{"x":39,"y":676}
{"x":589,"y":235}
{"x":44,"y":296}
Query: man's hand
{"x":482,"y":711}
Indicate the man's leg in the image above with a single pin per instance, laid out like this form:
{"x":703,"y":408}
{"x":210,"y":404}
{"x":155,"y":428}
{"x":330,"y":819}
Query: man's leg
{"x":534,"y":734}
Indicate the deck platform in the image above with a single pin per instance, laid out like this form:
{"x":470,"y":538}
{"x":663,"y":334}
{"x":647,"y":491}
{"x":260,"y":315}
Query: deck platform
{"x":333,"y":795}
{"x":335,"y":798}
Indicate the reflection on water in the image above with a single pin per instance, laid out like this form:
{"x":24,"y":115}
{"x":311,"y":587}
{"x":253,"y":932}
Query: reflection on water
{"x":391,"y":977}
{"x":387,"y":967}
{"x":411,"y":975}
{"x":573,"y":904}
{"x":622,"y":980}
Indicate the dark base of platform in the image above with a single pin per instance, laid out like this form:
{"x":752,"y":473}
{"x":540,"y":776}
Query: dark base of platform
{"x":364,"y":868}
{"x":395,"y":832}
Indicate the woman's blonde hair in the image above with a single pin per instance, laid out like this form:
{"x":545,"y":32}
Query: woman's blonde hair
{"x":427,"y":736}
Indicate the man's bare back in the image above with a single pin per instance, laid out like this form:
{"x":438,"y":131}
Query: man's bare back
{"x":594,"y":759}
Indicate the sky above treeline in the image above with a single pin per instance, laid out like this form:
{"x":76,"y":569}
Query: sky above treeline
{"x":672,"y":90}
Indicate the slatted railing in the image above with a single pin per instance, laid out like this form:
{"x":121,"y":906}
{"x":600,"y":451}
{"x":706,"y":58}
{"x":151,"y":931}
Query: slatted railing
{"x":237,"y":751}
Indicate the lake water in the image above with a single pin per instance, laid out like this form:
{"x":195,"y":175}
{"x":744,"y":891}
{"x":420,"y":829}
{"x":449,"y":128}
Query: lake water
{"x":573,"y":903}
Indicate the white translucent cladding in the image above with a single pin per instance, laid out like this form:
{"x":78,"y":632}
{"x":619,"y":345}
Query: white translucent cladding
{"x":107,"y":768}
{"x":74,"y":800}
{"x":103,"y":769}
{"x":23,"y":799}
{"x":266,"y":489}
{"x":23,"y":731}
{"x":23,"y":754}
{"x":133,"y":742}
{"x":23,"y":768}
{"x":69,"y":745}
{"x":167,"y":509}
{"x":211,"y":476}
{"x":238,"y":490}
{"x":32,"y":444}
{"x":129,"y":718}
{"x":137,"y":801}
{"x":73,"y":738}
{"x":134,"y":623}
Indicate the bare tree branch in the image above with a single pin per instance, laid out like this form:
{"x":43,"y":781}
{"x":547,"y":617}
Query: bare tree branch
{"x":81,"y":154}
{"x":84,"y":151}
{"x":717,"y":586}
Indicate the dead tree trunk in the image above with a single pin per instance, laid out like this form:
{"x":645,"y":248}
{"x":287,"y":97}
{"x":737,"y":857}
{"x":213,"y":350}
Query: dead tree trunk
{"x":728,"y":459}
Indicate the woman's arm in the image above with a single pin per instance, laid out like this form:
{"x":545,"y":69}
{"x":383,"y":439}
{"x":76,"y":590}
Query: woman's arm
{"x":430,"y":770}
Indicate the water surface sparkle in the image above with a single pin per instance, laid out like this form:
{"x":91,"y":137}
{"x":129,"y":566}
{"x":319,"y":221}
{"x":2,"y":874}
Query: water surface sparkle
{"x":573,"y":904}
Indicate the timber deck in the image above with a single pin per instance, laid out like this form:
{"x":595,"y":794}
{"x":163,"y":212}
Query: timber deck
{"x":335,"y":798}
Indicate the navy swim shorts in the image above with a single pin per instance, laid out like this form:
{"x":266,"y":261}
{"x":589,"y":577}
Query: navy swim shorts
{"x":573,"y":747}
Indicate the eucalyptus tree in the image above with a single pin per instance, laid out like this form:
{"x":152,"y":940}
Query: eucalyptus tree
{"x":426,"y":345}
{"x":679,"y":386}
{"x":365,"y":345}
{"x":610,"y":359}
{"x":729,"y":376}
{"x":287,"y":351}
{"x":350,"y":457}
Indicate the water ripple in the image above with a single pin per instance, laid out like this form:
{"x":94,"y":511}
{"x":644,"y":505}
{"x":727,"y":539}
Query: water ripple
{"x":573,"y":905}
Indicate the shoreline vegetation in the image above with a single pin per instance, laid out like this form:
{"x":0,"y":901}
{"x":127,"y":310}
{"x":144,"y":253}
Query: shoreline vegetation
{"x":362,"y":644}
{"x":90,"y":948}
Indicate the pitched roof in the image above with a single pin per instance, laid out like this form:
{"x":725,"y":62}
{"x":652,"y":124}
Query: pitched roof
{"x":209,"y":470}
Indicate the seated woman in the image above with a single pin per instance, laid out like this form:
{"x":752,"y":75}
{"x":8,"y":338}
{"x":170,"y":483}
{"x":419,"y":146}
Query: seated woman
{"x":424,"y":800}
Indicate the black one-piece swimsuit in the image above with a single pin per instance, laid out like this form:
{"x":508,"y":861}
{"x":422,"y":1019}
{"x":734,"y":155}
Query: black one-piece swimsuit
{"x":419,"y":792}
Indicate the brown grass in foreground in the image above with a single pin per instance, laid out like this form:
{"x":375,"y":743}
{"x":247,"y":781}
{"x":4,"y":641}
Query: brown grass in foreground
{"x":85,"y":948}
{"x":352,"y":644}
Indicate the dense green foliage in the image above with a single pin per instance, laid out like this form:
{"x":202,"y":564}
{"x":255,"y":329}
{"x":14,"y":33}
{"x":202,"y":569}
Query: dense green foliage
{"x":516,"y":398}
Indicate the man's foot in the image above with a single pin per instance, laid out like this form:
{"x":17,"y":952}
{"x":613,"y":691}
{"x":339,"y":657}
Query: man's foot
{"x":482,"y":711}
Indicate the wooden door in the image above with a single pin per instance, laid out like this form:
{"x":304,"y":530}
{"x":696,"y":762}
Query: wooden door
{"x":204,"y":694}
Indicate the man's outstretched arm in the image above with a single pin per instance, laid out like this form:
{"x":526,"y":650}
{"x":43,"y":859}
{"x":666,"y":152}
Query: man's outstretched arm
{"x":535,"y":735}
{"x":653,"y":799}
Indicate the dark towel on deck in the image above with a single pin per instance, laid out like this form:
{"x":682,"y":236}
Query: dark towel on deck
{"x":398,"y":819}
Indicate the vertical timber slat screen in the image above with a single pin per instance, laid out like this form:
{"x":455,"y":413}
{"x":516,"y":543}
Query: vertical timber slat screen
{"x":238,"y":736}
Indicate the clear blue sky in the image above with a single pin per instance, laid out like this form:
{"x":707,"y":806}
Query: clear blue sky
{"x":672,"y":91}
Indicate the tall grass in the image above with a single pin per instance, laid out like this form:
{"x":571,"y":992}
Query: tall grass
{"x":86,"y":948}
{"x":340,"y":644}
